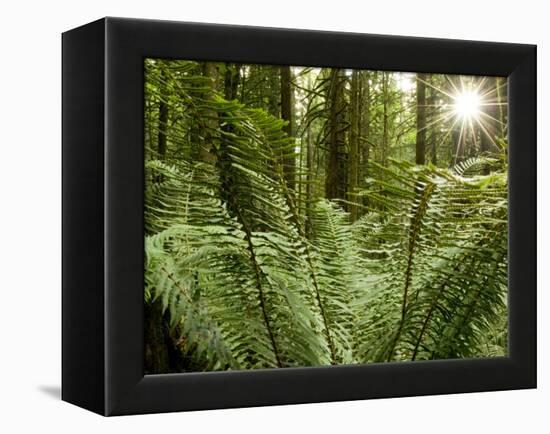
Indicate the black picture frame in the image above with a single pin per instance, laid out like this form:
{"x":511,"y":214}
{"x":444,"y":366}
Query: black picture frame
{"x":103,"y":185}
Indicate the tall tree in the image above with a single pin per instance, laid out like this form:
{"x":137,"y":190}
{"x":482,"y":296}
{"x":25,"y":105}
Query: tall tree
{"x":353,"y":161}
{"x":385,"y":118}
{"x":309,"y":169}
{"x":421,"y":119}
{"x":210,"y":121}
{"x":365,"y":140}
{"x":309,"y":178}
{"x":488,"y":127}
{"x":273,"y":91}
{"x":490,"y":117}
{"x":231,"y":80}
{"x":289,"y":159}
{"x":432,"y":114}
{"x":501,"y":96}
{"x":335,"y":176}
{"x":163,"y":115}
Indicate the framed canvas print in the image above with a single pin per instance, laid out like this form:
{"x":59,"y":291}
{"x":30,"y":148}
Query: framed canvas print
{"x":257,"y":216}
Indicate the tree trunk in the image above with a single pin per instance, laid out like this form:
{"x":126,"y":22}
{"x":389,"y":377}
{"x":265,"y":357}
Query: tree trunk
{"x":458,"y":144}
{"x":231,"y":81}
{"x":210,"y":124}
{"x":488,"y":133}
{"x":274,"y":92}
{"x":385,"y":119}
{"x":420,"y":119}
{"x":365,"y":131}
{"x":490,"y":121}
{"x":335,"y":179}
{"x":309,"y":180}
{"x":163,"y":117}
{"x":433,"y":114}
{"x":501,"y":96}
{"x":354,"y":143}
{"x":243,"y":84}
{"x":289,"y":157}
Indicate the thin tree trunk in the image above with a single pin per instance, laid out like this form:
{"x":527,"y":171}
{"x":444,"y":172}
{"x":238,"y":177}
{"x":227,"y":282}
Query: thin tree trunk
{"x":459,"y":142}
{"x":309,"y":180}
{"x":385,"y":117}
{"x":457,"y":134}
{"x":231,"y":81}
{"x":365,"y":131}
{"x":243,"y":84}
{"x":354,"y":143}
{"x":420,"y":119}
{"x":335,"y":177}
{"x":432,"y":140}
{"x":488,"y":134}
{"x":274,"y":92}
{"x":289,"y":158}
{"x":210,"y":124}
{"x":502,"y":92}
{"x":163,"y":117}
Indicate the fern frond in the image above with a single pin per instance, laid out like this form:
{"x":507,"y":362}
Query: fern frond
{"x":439,"y":257}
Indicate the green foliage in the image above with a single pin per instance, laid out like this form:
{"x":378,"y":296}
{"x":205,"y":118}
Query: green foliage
{"x":421,"y":275}
{"x":438,"y":251}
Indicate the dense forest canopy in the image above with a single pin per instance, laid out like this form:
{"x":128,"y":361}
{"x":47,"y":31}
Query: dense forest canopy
{"x":301,"y":216}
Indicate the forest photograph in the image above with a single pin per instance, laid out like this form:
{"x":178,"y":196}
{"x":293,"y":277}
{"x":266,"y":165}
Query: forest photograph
{"x":304,"y":216}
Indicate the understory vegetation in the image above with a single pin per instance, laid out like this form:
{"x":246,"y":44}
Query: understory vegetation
{"x":305,"y":217}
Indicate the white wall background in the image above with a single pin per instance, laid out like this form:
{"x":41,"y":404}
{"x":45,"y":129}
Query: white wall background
{"x":30,"y":213}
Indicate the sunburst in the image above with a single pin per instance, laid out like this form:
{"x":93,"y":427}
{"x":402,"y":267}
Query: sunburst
{"x":467,"y":104}
{"x":466,"y":108}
